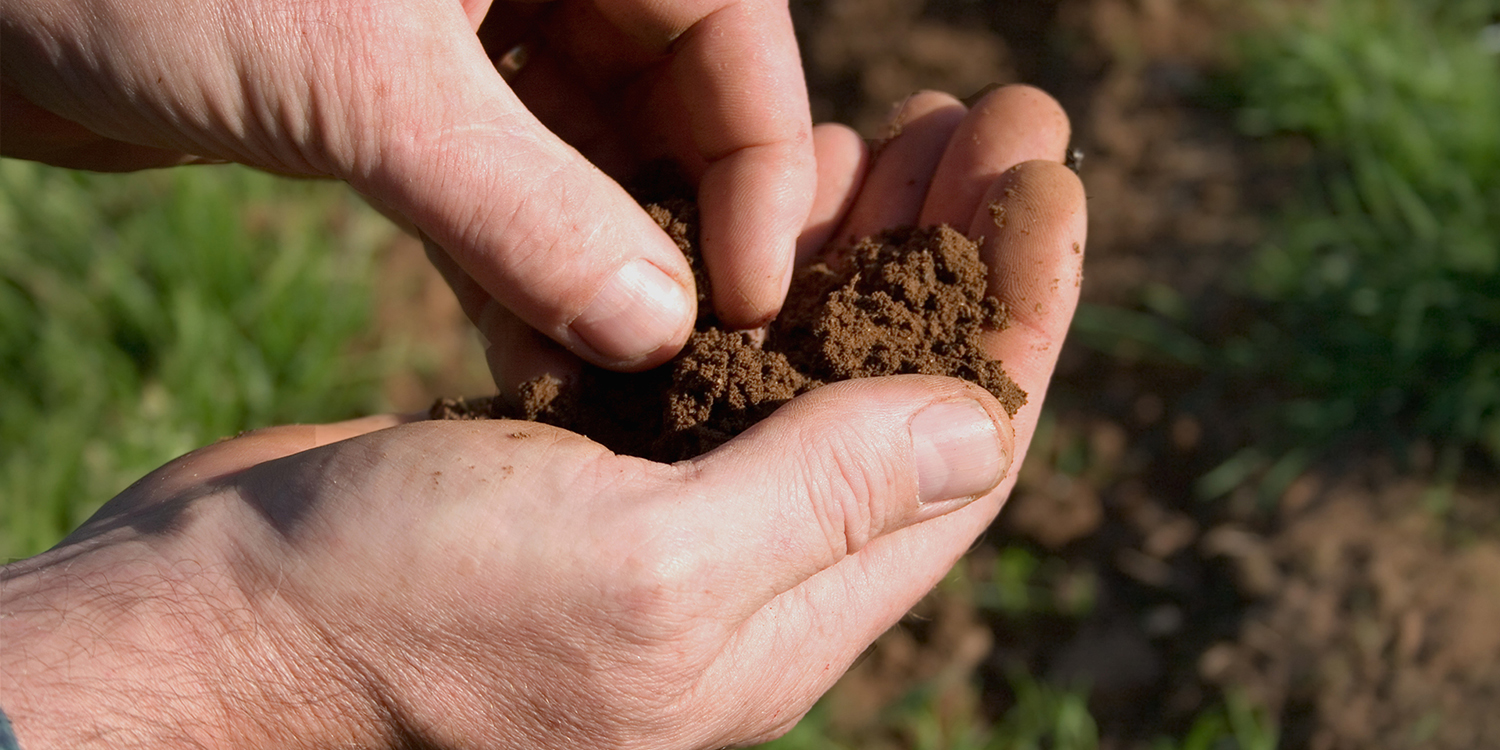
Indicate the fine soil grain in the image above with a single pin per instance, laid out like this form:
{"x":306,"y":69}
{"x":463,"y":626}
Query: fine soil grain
{"x":907,"y":300}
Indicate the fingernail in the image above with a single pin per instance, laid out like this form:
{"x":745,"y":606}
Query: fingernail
{"x":958,"y":451}
{"x":637,"y":312}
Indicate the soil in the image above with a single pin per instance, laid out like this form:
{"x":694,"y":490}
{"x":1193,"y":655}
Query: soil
{"x":905,"y":301}
{"x":1357,"y":610}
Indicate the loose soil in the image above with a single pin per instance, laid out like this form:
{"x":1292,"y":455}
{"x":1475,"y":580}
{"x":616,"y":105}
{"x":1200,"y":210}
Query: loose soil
{"x":905,"y":301}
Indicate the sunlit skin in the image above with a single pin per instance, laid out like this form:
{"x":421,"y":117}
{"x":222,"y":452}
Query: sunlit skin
{"x":507,"y":584}
{"x":385,"y":583}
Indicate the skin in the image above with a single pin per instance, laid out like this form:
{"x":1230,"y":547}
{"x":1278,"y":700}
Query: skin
{"x":401,"y":100}
{"x":384,"y":584}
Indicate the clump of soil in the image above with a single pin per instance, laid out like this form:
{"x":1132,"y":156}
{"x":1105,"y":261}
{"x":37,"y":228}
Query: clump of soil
{"x":905,"y":301}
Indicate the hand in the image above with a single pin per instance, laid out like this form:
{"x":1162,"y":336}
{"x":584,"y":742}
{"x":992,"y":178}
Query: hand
{"x":402,"y":100}
{"x":507,"y":584}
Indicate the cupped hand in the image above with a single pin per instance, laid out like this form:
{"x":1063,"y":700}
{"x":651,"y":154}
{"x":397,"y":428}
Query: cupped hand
{"x":508,"y":584}
{"x":403,"y":101}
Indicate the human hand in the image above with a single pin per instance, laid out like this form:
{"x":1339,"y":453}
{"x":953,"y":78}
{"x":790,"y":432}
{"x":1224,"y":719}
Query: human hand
{"x":476,"y":584}
{"x":402,"y":100}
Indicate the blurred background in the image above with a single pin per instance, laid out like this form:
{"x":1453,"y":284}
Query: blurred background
{"x":1261,"y":510}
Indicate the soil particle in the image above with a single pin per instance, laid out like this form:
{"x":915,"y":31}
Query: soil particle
{"x":459,"y":408}
{"x":997,"y":212}
{"x":905,"y":301}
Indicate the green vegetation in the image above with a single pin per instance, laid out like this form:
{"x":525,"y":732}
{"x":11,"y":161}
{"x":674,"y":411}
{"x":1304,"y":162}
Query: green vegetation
{"x":144,"y":315}
{"x":1236,"y":725}
{"x":1043,"y":717}
{"x":945,"y":715}
{"x":1021,"y":584}
{"x":1384,"y":278}
{"x":1377,"y":293}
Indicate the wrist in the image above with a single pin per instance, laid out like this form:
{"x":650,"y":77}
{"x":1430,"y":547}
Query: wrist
{"x":89,"y":658}
{"x":110,"y":643}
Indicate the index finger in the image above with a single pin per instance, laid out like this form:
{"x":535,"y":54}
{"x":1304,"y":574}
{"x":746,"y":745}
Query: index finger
{"x":739,"y":80}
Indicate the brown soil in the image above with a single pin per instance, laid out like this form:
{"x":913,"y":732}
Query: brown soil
{"x":906,"y":301}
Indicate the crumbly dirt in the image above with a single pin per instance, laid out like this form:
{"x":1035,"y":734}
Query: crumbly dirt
{"x":905,"y":301}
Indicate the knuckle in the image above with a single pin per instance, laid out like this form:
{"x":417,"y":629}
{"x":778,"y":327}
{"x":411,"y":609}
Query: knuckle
{"x":847,"y":480}
{"x":657,"y":590}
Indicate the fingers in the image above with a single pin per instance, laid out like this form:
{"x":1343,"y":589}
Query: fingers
{"x":722,"y":87}
{"x":517,"y":353}
{"x":1034,"y":219}
{"x":739,"y":77}
{"x":842,"y":160}
{"x":831,"y":617}
{"x":529,"y":220}
{"x":904,"y":164}
{"x":737,"y":85}
{"x":1010,"y":125}
{"x":738,"y":80}
{"x":843,"y":465}
{"x":939,"y":158}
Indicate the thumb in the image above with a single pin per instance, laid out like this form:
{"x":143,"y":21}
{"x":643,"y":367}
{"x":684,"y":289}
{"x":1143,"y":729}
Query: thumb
{"x":845,"y":464}
{"x":533,"y":224}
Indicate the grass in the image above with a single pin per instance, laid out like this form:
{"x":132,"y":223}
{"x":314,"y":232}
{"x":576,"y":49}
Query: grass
{"x":1377,"y":293}
{"x":145,"y":315}
{"x":1042,"y":717}
{"x":1383,"y":279}
{"x":946,"y":713}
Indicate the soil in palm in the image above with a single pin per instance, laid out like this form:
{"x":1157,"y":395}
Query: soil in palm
{"x":905,"y":301}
